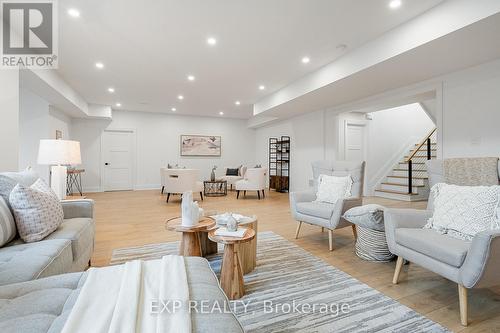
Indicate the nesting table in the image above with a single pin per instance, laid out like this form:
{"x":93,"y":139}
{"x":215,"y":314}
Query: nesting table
{"x":231,"y":275}
{"x":194,"y":240}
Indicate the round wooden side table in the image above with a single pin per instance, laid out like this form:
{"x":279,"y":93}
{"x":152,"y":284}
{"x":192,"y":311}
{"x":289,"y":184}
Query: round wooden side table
{"x":231,"y":275}
{"x":192,"y":242}
{"x":248,"y":250}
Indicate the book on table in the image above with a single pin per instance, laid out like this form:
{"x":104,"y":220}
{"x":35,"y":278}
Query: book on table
{"x":224,"y":232}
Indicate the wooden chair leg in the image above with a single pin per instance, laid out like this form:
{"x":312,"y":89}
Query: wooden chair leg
{"x":162,"y":189}
{"x":355,"y":232}
{"x":168,"y":197}
{"x":237,"y":194}
{"x":330,"y":239}
{"x":322,"y":229}
{"x":201,"y":195}
{"x":263,"y":193}
{"x":397,"y":271}
{"x":298,"y":230}
{"x":462,"y":297}
{"x":245,"y":193}
{"x":258,"y":194}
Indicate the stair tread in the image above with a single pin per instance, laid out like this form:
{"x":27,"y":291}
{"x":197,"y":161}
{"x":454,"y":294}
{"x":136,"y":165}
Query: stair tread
{"x":397,"y":184}
{"x":404,"y":162}
{"x":394,"y":192}
{"x":414,"y":170}
{"x":407,"y":177}
{"x":420,"y":156}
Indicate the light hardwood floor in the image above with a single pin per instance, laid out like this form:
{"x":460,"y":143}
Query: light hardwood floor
{"x":135,"y":218}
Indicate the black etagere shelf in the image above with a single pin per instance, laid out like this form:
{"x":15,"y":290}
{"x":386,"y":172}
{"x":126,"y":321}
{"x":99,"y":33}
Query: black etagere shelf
{"x":279,"y":163}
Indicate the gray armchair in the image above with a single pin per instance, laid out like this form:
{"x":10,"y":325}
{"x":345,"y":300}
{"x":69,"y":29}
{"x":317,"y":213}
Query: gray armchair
{"x":325,"y":215}
{"x":470,"y":264}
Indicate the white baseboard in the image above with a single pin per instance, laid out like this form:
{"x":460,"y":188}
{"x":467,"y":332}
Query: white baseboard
{"x":147,"y":187}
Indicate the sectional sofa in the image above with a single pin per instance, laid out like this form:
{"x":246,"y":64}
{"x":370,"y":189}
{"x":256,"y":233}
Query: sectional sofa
{"x":68,"y":249}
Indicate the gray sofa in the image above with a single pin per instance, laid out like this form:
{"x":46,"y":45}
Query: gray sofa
{"x":470,"y":264}
{"x":68,"y":249}
{"x":44,"y":305}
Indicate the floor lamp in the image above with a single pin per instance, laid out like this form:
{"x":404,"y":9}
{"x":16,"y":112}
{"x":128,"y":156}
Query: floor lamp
{"x":58,"y":154}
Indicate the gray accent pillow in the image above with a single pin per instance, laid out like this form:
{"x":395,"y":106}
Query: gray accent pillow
{"x":368,"y":216}
{"x":7,"y":224}
{"x":8,"y":180}
{"x":37,"y":211}
{"x":7,"y":184}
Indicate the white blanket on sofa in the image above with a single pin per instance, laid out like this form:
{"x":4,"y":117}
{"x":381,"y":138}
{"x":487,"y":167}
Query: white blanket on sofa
{"x":128,"y":298}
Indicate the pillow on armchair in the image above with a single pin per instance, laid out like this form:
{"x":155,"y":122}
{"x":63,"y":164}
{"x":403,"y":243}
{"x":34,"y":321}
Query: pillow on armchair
{"x":232,"y":172}
{"x":464,"y":211}
{"x":332,"y":188}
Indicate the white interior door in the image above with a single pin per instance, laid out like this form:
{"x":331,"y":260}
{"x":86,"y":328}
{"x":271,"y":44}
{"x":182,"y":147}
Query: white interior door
{"x":117,"y":159}
{"x":355,"y":142}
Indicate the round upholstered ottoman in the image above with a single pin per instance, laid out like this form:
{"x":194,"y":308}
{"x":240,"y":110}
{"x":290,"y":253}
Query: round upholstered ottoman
{"x":371,"y":243}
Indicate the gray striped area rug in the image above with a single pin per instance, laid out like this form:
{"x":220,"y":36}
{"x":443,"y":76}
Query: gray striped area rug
{"x":291,"y":290}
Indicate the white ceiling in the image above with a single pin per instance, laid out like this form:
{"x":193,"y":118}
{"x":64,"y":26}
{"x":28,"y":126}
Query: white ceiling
{"x":149,"y":47}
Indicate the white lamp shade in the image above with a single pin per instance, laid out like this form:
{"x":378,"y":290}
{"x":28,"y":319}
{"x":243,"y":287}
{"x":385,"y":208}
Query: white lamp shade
{"x":59,"y":152}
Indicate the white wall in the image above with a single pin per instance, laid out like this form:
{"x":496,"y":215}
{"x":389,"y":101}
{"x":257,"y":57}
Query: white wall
{"x":157,"y":144}
{"x":58,"y":120}
{"x":33,"y":126}
{"x":390,"y":134}
{"x":38,"y":120}
{"x":307,"y":144}
{"x":319,"y":135}
{"x":9,"y":119}
{"x":471,"y":112}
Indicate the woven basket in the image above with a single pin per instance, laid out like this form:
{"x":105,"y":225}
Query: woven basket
{"x":371,"y":245}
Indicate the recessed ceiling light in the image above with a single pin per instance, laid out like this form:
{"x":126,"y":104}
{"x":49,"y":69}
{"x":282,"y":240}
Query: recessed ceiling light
{"x":191,"y":78}
{"x":262,"y":87}
{"x":237,"y":103}
{"x":173,"y":109}
{"x":180,"y":97}
{"x":305,"y":60}
{"x":221,"y":113}
{"x":111,"y":90}
{"x":211,"y":41}
{"x":99,"y":65}
{"x":73,"y":12}
{"x":395,"y":4}
{"x":118,"y":104}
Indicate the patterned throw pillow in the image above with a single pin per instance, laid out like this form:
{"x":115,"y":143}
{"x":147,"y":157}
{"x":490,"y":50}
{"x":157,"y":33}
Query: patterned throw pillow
{"x":7,"y":224}
{"x":37,"y":211}
{"x":332,"y":188}
{"x":464,"y":211}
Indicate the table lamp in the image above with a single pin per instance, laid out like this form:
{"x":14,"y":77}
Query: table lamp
{"x":58,"y":154}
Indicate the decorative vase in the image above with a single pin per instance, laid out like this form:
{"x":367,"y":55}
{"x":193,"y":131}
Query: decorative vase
{"x":212,"y":175}
{"x":232,"y":224}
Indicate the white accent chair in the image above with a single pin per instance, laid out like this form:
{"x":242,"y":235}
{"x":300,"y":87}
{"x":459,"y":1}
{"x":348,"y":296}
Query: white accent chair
{"x":178,"y":181}
{"x":325,"y":215}
{"x":255,"y":180}
{"x":231,"y":180}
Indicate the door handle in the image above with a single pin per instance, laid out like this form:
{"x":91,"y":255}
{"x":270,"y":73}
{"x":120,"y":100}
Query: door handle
{"x":106,"y":163}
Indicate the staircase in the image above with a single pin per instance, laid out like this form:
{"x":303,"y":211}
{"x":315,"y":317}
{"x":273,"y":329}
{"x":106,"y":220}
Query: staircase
{"x":408,"y":179}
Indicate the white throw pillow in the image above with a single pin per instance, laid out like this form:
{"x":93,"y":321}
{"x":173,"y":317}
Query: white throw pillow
{"x":37,"y":211}
{"x":332,"y":188}
{"x":464,"y":211}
